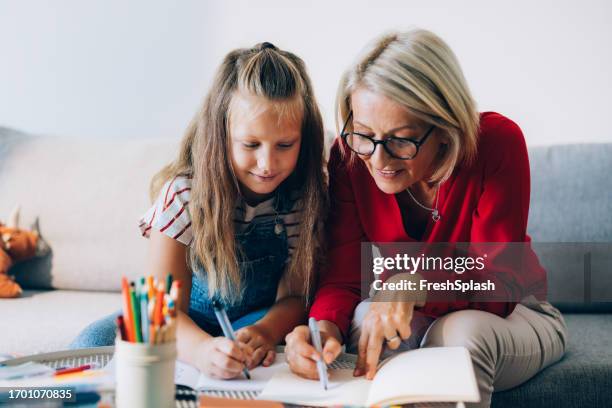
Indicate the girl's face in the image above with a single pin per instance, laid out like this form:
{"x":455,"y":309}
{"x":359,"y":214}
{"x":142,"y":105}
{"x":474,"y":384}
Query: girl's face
{"x":379,"y":117}
{"x":265,"y":142}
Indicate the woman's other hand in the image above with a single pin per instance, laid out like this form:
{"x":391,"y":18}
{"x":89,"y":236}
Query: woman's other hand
{"x":301,"y":354}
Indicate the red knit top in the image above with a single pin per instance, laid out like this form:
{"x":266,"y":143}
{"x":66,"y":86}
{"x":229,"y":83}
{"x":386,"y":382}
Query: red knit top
{"x":487,"y":201}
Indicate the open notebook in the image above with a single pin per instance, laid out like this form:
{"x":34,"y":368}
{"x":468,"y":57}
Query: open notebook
{"x":440,"y":374}
{"x":240,"y":387}
{"x":190,"y":376}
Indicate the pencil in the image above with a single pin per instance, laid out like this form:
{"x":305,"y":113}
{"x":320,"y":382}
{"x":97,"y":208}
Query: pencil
{"x":127,"y":309}
{"x":150,"y":286}
{"x":144,"y":318}
{"x":159,"y":305}
{"x":168,"y":282}
{"x":175,"y":293}
{"x":121,"y":328}
{"x":136,"y":314}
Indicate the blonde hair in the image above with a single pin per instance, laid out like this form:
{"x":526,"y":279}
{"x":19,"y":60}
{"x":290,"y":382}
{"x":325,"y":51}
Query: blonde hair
{"x":280,"y":77}
{"x":419,"y":71}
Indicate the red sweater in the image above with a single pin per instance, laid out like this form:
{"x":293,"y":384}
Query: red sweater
{"x":485,"y":202}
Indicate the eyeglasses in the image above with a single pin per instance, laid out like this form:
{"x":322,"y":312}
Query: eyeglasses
{"x":397,"y":147}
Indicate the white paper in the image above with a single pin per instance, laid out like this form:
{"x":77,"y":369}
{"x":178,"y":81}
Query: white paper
{"x":190,"y":376}
{"x":343,"y":389}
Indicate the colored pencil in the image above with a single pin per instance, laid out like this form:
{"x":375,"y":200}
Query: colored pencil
{"x":168,"y":282}
{"x":150,"y":287}
{"x":159,"y":305}
{"x":71,"y":370}
{"x":127,"y":309}
{"x":144,"y":318}
{"x":136,"y":314}
{"x":121,"y":328}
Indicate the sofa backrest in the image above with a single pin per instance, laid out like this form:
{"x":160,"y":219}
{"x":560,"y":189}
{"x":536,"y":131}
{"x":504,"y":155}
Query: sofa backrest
{"x":571,"y":193}
{"x":571,"y":203}
{"x":89,"y":195}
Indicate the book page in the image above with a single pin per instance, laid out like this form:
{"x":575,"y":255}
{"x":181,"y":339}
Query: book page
{"x":343,"y":389}
{"x":440,"y":374}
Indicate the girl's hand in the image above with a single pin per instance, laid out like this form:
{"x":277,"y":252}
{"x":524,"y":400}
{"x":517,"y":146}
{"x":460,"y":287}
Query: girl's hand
{"x":219,"y":357}
{"x":261,"y":342}
{"x":301,"y":354}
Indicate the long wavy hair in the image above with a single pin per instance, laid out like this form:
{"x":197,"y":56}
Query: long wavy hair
{"x":280,"y":77}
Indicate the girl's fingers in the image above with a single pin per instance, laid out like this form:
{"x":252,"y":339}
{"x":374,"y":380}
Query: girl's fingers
{"x":224,"y":372}
{"x":236,"y":350}
{"x":243,"y":335}
{"x":226,"y":363}
{"x":255,"y":342}
{"x":269,"y":359}
{"x":258,"y":356}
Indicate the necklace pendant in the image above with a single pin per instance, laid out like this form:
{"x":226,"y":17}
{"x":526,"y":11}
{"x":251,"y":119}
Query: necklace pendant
{"x":435,"y":215}
{"x":278,"y":229}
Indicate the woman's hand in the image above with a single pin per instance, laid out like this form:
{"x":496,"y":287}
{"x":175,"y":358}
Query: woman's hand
{"x":387,"y":322}
{"x":220,"y":357}
{"x":301,"y":354}
{"x":261,"y":342}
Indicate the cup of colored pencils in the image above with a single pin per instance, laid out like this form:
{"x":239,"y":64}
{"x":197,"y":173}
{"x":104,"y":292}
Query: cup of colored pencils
{"x":145,"y":349}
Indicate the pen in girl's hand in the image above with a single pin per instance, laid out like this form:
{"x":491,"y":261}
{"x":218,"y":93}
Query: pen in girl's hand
{"x":226,"y":326}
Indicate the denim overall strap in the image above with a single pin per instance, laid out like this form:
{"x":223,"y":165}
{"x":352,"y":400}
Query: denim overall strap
{"x":263,"y":254}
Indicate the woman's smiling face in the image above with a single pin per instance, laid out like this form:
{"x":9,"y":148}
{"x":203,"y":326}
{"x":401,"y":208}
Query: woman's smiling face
{"x":378,"y":116}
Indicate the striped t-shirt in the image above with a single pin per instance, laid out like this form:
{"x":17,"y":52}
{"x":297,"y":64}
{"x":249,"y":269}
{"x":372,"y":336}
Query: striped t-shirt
{"x":170,"y":214}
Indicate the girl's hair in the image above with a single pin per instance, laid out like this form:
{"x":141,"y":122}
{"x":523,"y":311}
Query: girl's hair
{"x":418,"y":70}
{"x":281,"y":78}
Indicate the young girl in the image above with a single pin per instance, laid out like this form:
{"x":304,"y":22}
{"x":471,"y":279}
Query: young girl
{"x":237,"y":214}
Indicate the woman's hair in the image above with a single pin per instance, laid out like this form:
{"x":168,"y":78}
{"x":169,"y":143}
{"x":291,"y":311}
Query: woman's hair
{"x":281,"y":78}
{"x":419,"y":71}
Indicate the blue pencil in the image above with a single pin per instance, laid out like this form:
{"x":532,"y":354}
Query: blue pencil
{"x":144,"y":313}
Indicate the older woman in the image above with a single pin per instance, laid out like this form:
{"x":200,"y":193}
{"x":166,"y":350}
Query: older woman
{"x":417,"y":162}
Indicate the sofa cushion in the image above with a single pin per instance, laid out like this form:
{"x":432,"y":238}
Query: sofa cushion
{"x":89,"y":195}
{"x":43,"y":321}
{"x":583,"y":378}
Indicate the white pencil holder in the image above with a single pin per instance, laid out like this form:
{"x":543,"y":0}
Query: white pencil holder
{"x":144,"y":374}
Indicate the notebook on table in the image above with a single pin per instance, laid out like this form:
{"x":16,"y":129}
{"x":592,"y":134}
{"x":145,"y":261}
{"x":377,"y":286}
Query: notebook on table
{"x":440,"y":374}
{"x":240,"y":387}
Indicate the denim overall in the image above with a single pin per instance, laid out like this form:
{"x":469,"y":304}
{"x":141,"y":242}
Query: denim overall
{"x":264,"y":247}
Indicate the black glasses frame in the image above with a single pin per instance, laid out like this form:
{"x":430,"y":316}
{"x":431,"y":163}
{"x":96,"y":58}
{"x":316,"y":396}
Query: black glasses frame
{"x":417,"y":143}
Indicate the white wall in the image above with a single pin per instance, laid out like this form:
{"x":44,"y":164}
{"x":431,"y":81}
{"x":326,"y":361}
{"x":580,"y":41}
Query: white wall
{"x":111,"y":68}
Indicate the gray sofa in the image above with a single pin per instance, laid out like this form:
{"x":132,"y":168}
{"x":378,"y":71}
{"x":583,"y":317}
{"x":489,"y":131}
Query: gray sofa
{"x":90,"y":193}
{"x":571,"y":203}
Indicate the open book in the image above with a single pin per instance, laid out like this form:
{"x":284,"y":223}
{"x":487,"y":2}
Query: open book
{"x":439,"y":374}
